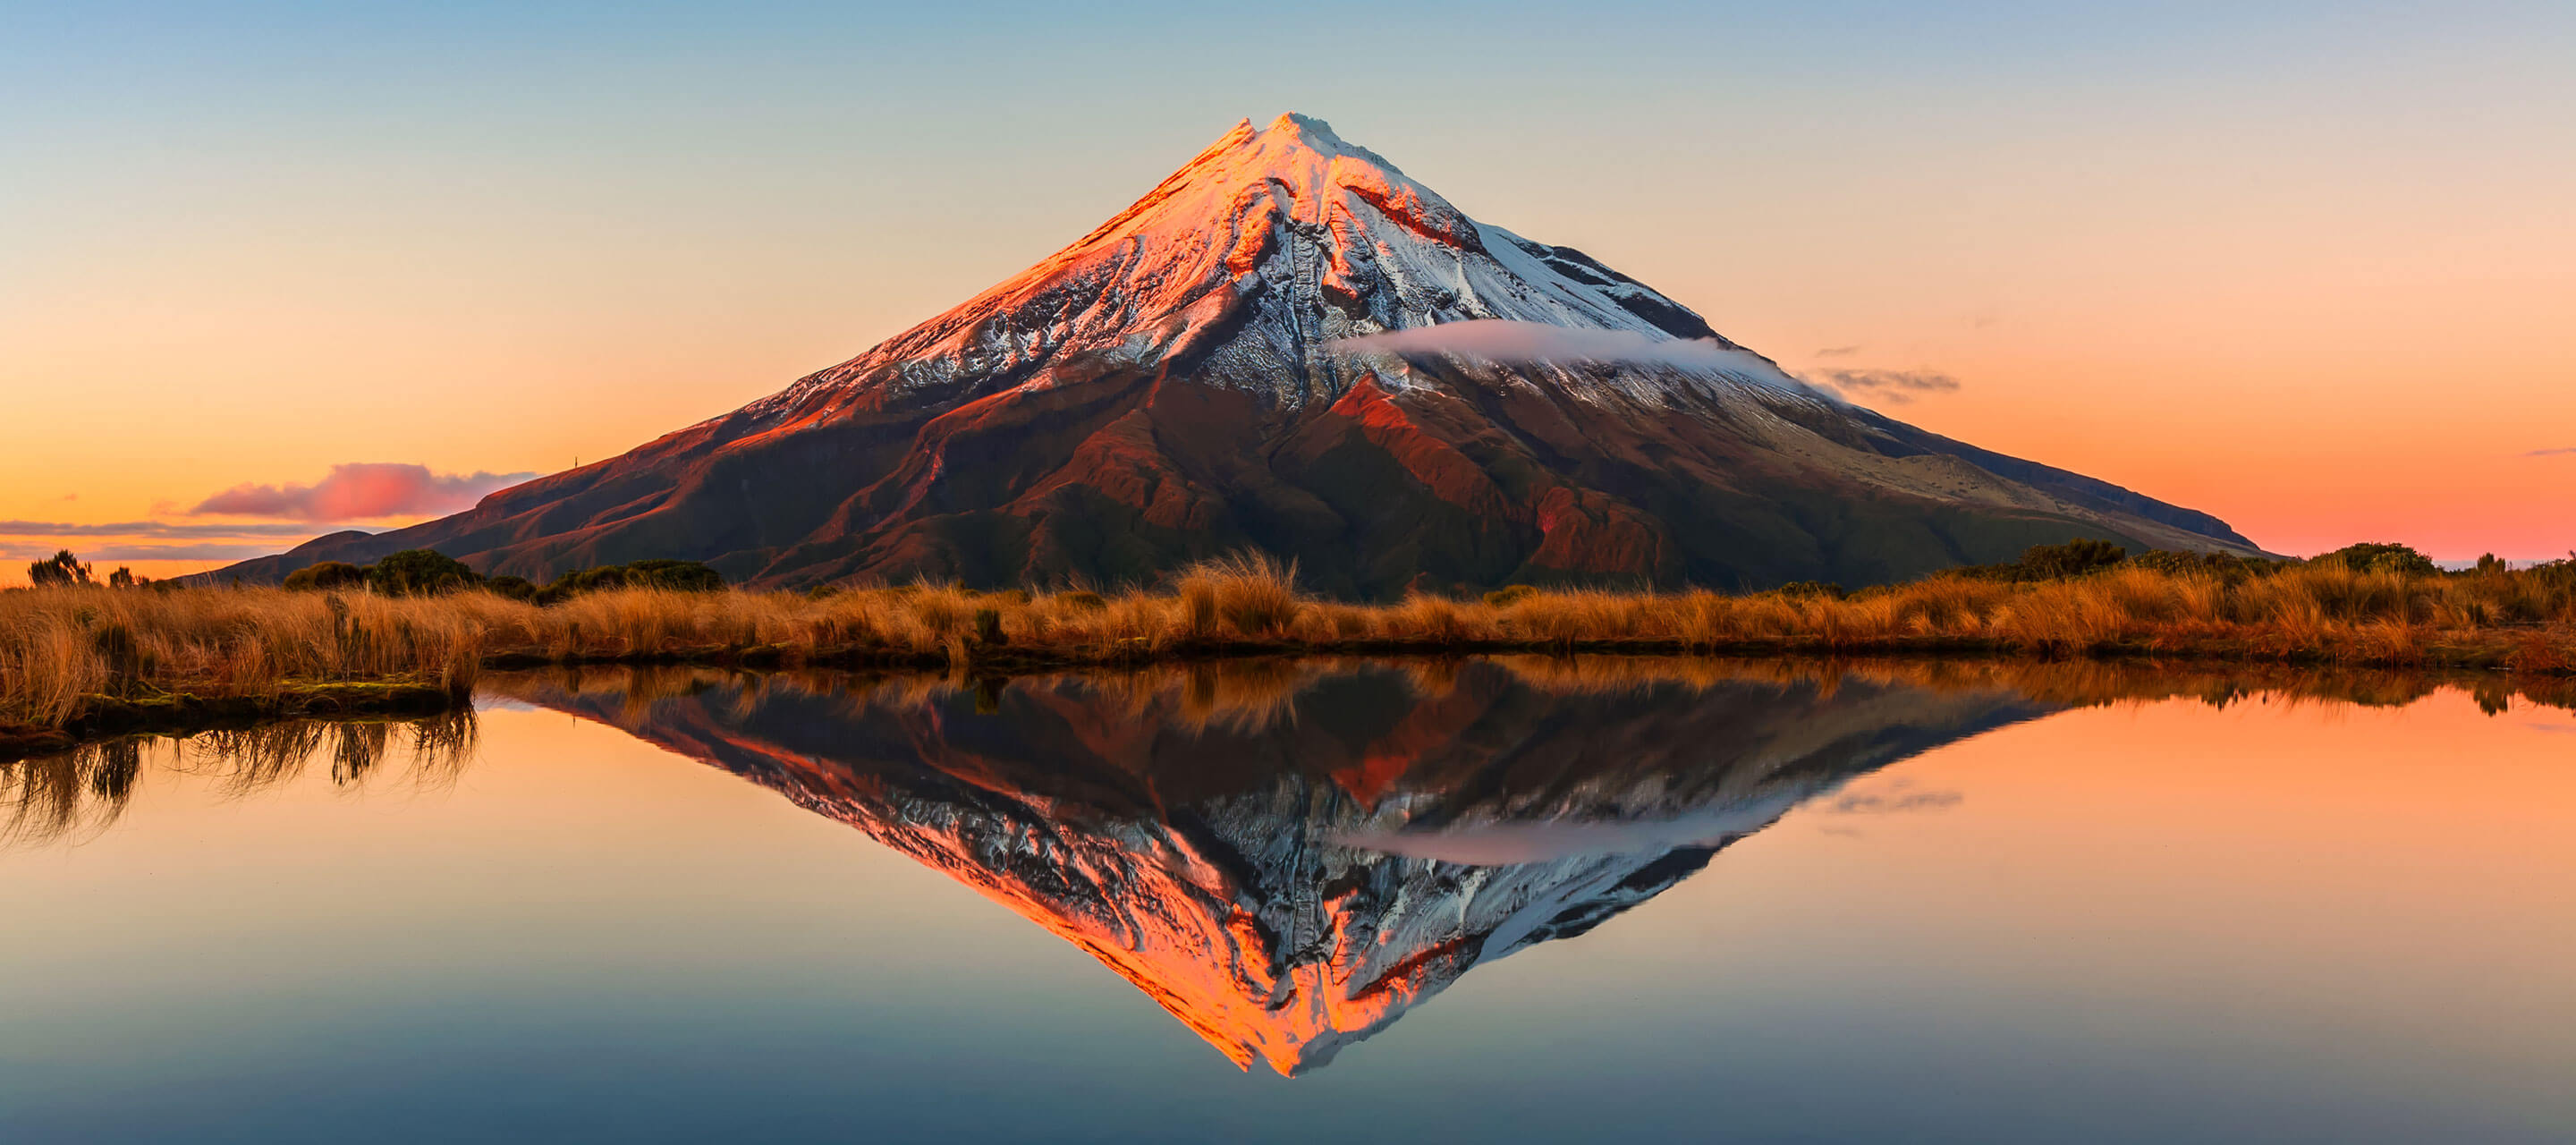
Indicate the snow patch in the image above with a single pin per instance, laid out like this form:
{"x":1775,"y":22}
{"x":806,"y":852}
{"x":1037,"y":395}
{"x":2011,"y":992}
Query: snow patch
{"x":1505,"y":342}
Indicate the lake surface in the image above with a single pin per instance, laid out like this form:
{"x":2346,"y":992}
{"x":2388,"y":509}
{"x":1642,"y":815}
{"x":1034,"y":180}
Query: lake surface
{"x":1498,"y":901}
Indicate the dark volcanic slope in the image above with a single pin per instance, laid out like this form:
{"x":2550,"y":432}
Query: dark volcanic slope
{"x":1166,"y":389}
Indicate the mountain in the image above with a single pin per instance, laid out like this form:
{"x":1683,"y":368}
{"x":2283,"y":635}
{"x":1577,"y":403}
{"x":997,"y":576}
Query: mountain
{"x":1176,"y":384}
{"x":1291,"y":873}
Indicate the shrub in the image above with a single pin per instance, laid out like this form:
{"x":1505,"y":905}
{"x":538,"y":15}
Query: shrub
{"x":2224,"y":565}
{"x":420,"y":572}
{"x":1812,"y":589}
{"x":2072,"y":559}
{"x":1509,"y":595}
{"x":60,"y":570}
{"x":2382,"y":557}
{"x":513,"y":587}
{"x":677,"y":576}
{"x":2052,"y":562}
{"x":324,"y":576}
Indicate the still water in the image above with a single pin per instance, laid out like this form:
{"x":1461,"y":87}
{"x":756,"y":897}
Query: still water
{"x":1498,"y":901}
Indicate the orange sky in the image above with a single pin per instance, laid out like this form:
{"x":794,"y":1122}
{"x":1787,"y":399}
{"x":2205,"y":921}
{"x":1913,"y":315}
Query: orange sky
{"x":2233,"y":265}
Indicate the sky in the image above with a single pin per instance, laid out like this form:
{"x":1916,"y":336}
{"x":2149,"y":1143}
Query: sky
{"x":274,"y":269}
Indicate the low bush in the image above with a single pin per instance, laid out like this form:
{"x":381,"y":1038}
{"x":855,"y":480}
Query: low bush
{"x":420,"y":572}
{"x":676,"y":576}
{"x":1812,"y":589}
{"x":325,"y":576}
{"x":2381,"y":557}
{"x":2080,"y":557}
{"x":61,"y":570}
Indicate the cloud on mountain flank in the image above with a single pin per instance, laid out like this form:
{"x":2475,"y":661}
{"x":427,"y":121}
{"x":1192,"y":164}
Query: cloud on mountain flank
{"x":1888,"y":385}
{"x":1537,"y":343}
{"x":2569,"y":451}
{"x":1839,"y":351}
{"x":360,"y":490}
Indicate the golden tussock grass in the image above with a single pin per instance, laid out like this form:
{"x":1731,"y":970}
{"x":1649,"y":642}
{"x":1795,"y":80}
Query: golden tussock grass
{"x":69,"y":654}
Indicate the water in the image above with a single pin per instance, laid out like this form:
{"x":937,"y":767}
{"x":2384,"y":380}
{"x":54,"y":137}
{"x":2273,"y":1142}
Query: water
{"x":1505,"y":902}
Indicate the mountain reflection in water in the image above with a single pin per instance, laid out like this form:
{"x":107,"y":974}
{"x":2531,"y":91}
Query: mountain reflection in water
{"x":1287,"y":858}
{"x":1285,"y":855}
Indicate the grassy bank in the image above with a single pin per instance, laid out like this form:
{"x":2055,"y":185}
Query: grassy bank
{"x":81,"y":661}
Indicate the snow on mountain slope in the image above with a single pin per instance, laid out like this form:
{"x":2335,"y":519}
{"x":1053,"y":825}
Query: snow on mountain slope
{"x":1254,"y":256}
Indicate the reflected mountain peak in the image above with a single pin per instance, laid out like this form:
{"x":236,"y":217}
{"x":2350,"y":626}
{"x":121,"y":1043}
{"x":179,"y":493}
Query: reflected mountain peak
{"x":1287,"y":858}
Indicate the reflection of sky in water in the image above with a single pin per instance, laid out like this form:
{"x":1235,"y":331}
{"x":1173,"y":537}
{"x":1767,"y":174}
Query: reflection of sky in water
{"x":2137,"y":923}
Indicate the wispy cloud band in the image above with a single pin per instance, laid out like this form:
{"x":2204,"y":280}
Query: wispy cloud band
{"x":162,"y":529}
{"x":361,"y":490}
{"x":1889,"y":385}
{"x":200,"y":551}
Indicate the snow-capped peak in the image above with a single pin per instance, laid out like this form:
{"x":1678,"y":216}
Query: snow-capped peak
{"x":1243,"y":268}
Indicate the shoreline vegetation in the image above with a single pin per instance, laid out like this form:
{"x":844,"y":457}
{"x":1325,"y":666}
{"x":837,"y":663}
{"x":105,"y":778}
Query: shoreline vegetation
{"x":411,"y":635}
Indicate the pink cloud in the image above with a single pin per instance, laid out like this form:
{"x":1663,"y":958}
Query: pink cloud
{"x":361,"y":490}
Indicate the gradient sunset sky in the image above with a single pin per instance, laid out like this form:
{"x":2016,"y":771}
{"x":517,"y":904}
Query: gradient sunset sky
{"x":2311,"y":268}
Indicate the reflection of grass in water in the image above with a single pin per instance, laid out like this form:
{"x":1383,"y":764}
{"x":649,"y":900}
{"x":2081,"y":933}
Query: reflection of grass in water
{"x":57,"y":796}
{"x":49,"y":798}
{"x":1252,"y":695}
{"x":69,"y":655}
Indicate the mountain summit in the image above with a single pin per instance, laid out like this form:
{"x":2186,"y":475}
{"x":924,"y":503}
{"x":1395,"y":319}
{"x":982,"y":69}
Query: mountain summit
{"x":1266,"y":351}
{"x":1249,"y":263}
